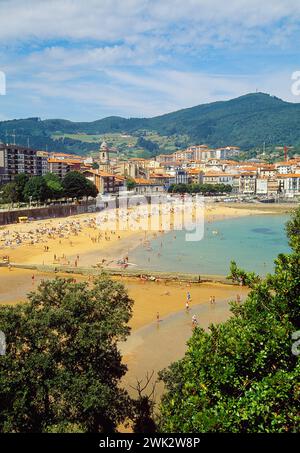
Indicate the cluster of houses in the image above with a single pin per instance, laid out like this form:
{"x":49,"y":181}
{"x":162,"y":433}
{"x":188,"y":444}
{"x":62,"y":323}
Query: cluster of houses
{"x":203,"y":165}
{"x":197,"y":164}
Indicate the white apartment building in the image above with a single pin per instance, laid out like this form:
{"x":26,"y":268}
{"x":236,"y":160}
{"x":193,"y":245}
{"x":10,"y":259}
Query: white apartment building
{"x":290,"y":184}
{"x":218,"y":178}
{"x":247,"y":183}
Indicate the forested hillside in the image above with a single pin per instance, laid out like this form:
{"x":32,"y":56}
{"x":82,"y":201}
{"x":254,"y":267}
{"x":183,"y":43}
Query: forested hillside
{"x":247,"y":121}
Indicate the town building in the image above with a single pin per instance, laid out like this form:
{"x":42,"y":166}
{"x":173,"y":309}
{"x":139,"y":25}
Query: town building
{"x":16,"y":159}
{"x":195,"y":176}
{"x":164,"y":158}
{"x":147,"y":187}
{"x":164,"y":179}
{"x":61,"y":167}
{"x":181,"y":176}
{"x":289,"y":184}
{"x":283,"y":168}
{"x":104,"y":161}
{"x":247,"y":183}
{"x":106,"y":183}
{"x":217,"y":178}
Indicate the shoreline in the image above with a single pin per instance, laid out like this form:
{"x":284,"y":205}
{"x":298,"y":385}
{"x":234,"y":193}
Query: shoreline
{"x":91,"y":243}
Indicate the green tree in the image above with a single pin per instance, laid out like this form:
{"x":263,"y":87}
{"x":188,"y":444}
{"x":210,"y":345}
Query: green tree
{"x":54,"y":185}
{"x":130,"y":183}
{"x":36,"y":189}
{"x":76,"y":185}
{"x":90,"y":190}
{"x":241,"y":376}
{"x":9,"y":193}
{"x":200,"y":188}
{"x":62,"y":367}
{"x":147,"y":144}
{"x":20,"y":183}
{"x":293,"y":230}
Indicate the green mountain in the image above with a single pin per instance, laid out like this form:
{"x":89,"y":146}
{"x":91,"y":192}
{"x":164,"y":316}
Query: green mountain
{"x":247,"y":121}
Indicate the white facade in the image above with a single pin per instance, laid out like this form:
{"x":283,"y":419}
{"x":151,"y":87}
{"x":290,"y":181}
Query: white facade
{"x":148,"y":189}
{"x":290,"y":185}
{"x":284,"y":169}
{"x":261,"y":186}
{"x":181,"y":177}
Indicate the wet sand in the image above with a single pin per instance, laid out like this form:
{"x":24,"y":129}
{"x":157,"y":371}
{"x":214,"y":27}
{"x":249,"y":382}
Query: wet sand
{"x":155,"y":346}
{"x":149,"y":297}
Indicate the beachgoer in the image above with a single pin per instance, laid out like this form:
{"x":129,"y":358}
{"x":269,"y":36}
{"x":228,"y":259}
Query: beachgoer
{"x":194,"y":321}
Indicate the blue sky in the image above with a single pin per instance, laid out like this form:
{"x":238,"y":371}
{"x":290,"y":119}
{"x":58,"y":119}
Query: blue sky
{"x":84,"y":60}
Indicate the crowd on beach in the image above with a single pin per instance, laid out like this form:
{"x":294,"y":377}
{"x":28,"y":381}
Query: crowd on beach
{"x":42,"y":232}
{"x":107,"y":225}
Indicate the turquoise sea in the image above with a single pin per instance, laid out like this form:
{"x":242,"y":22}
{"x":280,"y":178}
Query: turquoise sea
{"x":252,"y":241}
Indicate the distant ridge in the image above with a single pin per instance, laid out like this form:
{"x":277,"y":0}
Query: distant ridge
{"x":247,"y":121}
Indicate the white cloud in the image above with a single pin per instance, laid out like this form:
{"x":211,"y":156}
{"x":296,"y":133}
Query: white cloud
{"x":128,"y":57}
{"x":113,"y":20}
{"x":152,"y":93}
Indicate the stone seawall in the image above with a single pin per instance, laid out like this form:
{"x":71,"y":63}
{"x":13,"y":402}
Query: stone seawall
{"x":45,"y":212}
{"x":135,"y":273}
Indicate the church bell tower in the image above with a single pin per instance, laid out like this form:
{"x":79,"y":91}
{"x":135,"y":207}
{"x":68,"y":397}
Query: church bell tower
{"x":104,"y":156}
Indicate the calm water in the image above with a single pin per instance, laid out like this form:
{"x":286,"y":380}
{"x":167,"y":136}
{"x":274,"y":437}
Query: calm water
{"x":252,"y":241}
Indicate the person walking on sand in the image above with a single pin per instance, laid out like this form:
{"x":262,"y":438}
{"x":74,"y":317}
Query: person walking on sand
{"x":157,"y":317}
{"x":187,"y":305}
{"x":214,"y":300}
{"x":210,"y":300}
{"x":194,"y":321}
{"x":188,"y":297}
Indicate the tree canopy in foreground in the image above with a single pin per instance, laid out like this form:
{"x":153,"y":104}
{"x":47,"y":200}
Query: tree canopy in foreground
{"x":62,"y":367}
{"x":241,"y":375}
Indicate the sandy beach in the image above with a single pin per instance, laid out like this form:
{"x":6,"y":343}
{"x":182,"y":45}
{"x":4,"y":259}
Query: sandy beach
{"x":78,"y":241}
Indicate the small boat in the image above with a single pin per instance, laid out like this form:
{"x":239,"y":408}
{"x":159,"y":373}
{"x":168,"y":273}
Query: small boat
{"x":215,"y":232}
